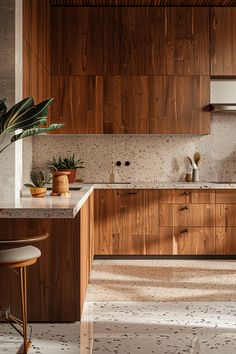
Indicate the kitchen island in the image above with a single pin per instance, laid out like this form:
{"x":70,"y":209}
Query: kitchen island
{"x":141,"y":219}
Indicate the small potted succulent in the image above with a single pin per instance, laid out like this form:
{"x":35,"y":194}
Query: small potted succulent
{"x":68,"y":164}
{"x":38,"y":179}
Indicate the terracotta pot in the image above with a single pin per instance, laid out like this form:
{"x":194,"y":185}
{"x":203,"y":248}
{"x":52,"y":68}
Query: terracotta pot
{"x":38,"y":192}
{"x":71,"y":176}
{"x":60,"y":183}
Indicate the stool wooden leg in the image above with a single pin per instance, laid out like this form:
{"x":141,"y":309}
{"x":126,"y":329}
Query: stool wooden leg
{"x":24,"y":307}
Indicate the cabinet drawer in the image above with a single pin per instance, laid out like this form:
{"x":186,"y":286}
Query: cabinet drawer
{"x":226,"y":196}
{"x":187,"y":196}
{"x":187,"y":214}
{"x":225,"y":214}
{"x":226,"y":240}
{"x":188,"y":241}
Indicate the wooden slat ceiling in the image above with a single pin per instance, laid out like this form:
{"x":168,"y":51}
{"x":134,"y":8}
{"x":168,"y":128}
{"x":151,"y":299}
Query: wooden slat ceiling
{"x":143,"y":2}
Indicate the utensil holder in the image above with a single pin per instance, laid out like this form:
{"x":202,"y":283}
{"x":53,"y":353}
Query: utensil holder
{"x":195,"y":175}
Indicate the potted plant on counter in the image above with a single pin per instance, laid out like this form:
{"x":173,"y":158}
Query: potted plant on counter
{"x":38,"y":179}
{"x":68,"y":164}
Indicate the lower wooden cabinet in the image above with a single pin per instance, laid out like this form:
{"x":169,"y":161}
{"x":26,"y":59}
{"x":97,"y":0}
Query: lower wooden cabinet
{"x":165,"y":222}
{"x":126,"y":222}
{"x":226,"y":240}
{"x":186,"y":240}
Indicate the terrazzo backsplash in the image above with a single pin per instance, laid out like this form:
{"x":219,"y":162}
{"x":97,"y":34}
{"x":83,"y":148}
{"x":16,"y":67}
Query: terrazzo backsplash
{"x":152,"y":157}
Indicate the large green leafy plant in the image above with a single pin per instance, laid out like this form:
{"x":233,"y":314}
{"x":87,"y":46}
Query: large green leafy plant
{"x":27,"y":117}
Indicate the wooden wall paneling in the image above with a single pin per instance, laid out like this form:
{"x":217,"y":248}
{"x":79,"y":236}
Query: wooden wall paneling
{"x":78,"y":103}
{"x":91,"y":226}
{"x":26,"y":69}
{"x":226,"y":240}
{"x":143,"y":3}
{"x":151,"y":209}
{"x":77,"y":41}
{"x":223,"y":36}
{"x":36,"y":49}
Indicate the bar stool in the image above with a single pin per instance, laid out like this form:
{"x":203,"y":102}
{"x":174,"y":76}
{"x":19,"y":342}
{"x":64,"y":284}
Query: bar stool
{"x":19,"y":258}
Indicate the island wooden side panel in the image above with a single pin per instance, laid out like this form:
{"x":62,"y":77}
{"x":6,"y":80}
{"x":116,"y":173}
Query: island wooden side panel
{"x":56,"y":283}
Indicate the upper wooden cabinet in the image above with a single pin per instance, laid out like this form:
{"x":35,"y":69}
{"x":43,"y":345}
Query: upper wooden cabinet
{"x":78,"y":104}
{"x":222,"y":40}
{"x":130,"y":41}
{"x":156,"y":104}
{"x":77,"y":41}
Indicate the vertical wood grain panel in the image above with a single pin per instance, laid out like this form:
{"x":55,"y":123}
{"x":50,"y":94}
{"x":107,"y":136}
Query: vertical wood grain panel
{"x":226,"y":240}
{"x":126,"y":222}
{"x":187,"y":41}
{"x":78,"y":103}
{"x":54,"y":282}
{"x":77,"y":41}
{"x":151,"y":220}
{"x":156,"y":104}
{"x":222,"y":39}
{"x":36,"y":49}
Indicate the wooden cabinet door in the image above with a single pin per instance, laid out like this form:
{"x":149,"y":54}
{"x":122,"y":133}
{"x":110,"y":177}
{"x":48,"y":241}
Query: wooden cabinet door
{"x":226,"y":240}
{"x":126,"y":222}
{"x":77,"y":41}
{"x":156,"y":41}
{"x":186,"y":48}
{"x":156,"y":105}
{"x":225,"y":214}
{"x":187,"y":241}
{"x":222,"y":40}
{"x":78,"y":104}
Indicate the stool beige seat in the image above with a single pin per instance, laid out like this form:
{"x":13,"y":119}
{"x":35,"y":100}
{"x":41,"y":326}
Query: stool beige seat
{"x":15,"y":256}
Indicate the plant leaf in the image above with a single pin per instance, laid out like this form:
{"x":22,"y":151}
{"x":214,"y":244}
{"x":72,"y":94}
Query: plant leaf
{"x":17,"y":110}
{"x":37,"y":112}
{"x":36,"y":131}
{"x":29,"y":185}
{"x":3,"y":106}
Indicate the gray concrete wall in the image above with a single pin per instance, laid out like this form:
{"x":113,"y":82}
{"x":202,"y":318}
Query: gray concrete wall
{"x":11,"y":87}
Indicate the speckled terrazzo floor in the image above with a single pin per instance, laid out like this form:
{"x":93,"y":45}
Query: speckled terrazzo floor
{"x":163,"y":280}
{"x":198,"y":314}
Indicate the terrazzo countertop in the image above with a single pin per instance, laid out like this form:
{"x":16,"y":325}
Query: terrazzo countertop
{"x":47,"y":207}
{"x":165,"y":185}
{"x":68,"y":207}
